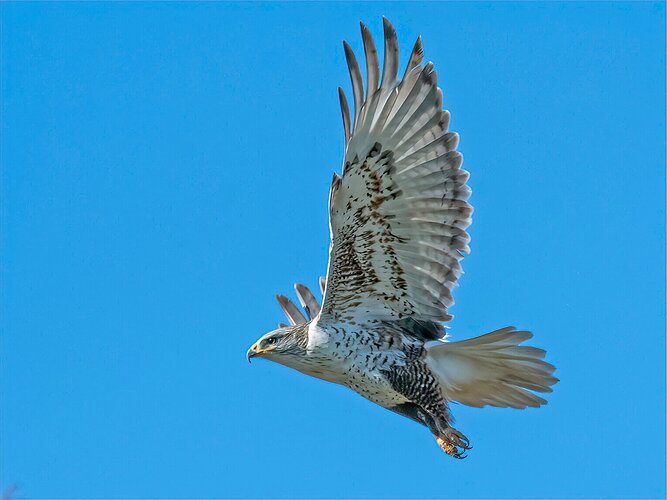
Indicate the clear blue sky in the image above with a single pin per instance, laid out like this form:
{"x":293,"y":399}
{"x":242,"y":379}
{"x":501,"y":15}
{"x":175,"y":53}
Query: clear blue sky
{"x":165,"y":171}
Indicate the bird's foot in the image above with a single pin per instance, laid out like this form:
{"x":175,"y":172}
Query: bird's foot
{"x":453,"y":443}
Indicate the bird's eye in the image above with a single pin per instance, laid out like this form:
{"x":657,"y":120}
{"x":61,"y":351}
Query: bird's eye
{"x":271,"y":340}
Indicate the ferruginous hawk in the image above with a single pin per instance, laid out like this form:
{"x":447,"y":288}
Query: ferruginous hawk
{"x":398,"y":216}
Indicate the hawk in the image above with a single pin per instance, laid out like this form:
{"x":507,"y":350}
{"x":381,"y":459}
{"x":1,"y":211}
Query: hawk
{"x":397,"y":217}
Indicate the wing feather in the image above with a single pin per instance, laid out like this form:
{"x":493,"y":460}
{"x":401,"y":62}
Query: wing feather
{"x":307,"y":300}
{"x":292,"y":312}
{"x":399,"y":213}
{"x":345,"y":111}
{"x":390,"y":68}
{"x":372,"y":63}
{"x":355,"y":78}
{"x":416,"y":57}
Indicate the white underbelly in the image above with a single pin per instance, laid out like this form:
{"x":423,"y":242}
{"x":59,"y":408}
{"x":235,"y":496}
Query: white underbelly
{"x":358,"y":365}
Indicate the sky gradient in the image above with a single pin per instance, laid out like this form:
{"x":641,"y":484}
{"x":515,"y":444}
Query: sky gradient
{"x":165,"y":172}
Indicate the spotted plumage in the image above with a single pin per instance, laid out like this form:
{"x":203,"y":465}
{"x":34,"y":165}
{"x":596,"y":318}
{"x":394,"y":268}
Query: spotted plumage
{"x":398,"y":216}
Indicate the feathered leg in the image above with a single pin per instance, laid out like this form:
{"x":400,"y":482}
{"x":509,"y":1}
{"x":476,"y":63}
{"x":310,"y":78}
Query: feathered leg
{"x":427,"y":406}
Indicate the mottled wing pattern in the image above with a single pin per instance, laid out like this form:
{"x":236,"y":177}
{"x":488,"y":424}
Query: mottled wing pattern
{"x":399,"y":213}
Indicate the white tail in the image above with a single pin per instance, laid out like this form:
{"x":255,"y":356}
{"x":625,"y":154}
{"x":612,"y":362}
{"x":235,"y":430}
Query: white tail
{"x":492,"y":369}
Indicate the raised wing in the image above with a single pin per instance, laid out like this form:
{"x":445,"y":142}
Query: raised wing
{"x":399,"y":212}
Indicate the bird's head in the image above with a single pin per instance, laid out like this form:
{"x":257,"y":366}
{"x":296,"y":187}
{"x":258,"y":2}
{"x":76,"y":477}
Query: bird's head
{"x":281,"y":345}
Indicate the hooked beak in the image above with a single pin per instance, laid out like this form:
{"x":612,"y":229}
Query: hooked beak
{"x":254,"y":351}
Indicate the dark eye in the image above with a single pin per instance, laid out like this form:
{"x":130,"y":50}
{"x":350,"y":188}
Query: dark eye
{"x":271,"y":340}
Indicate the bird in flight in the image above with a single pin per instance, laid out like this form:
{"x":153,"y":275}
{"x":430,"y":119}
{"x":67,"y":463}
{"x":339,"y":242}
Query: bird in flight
{"x":397,"y":217}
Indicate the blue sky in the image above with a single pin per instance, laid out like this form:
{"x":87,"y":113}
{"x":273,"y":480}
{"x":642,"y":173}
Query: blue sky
{"x":165,"y":170}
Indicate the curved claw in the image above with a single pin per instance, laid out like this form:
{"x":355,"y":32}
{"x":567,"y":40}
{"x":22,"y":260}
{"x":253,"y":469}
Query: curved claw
{"x":454,"y":443}
{"x":464,"y":445}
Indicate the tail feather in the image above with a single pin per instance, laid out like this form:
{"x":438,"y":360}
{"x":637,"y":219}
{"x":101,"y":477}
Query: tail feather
{"x":492,"y":369}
